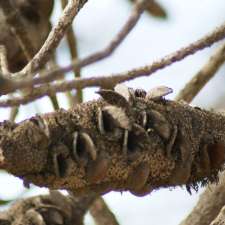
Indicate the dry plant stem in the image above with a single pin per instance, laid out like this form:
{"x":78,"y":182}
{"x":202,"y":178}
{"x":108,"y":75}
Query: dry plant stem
{"x":72,"y":43}
{"x":71,"y":150}
{"x":193,"y":87}
{"x":106,"y":81}
{"x":126,"y":29}
{"x":102,"y":214}
{"x":136,"y":13}
{"x":54,"y":37}
{"x":14,"y":19}
{"x":209,"y":205}
{"x":54,"y":208}
{"x":216,"y":35}
{"x":5,"y":71}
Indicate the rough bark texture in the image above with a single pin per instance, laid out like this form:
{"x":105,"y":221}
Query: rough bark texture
{"x":53,"y":209}
{"x":113,"y":144}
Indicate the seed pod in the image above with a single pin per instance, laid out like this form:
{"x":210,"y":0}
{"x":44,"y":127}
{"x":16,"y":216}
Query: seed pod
{"x":216,"y":155}
{"x":182,"y":171}
{"x":159,"y":123}
{"x":144,"y":119}
{"x":140,"y":93}
{"x":171,"y":142}
{"x":119,"y":116}
{"x":125,"y":142}
{"x":114,"y":98}
{"x":147,"y":189}
{"x":83,"y":148}
{"x":42,"y":123}
{"x":205,"y":160}
{"x":158,"y":92}
{"x":139,"y":177}
{"x":134,"y":141}
{"x":34,"y":217}
{"x":126,"y":92}
{"x":59,"y":159}
{"x":101,"y":126}
{"x":110,"y":122}
{"x":97,"y":170}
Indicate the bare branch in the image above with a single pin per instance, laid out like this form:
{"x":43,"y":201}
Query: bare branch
{"x":102,"y":214}
{"x":193,"y":87}
{"x":105,"y":81}
{"x":72,"y":44}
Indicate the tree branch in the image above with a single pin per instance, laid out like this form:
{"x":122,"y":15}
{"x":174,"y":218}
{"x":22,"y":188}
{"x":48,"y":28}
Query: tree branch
{"x":105,"y":81}
{"x":102,"y":214}
{"x":193,"y":87}
{"x":206,"y":41}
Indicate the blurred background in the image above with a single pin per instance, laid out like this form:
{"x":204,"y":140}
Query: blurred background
{"x":96,"y":24}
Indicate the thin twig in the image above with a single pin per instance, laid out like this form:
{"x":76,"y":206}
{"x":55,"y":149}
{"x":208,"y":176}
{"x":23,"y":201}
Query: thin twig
{"x":72,"y":44}
{"x":4,"y":69}
{"x":193,"y":87}
{"x":129,"y":25}
{"x":206,"y":41}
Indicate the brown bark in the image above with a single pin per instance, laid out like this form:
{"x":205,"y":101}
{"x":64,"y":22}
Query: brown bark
{"x":177,"y":144}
